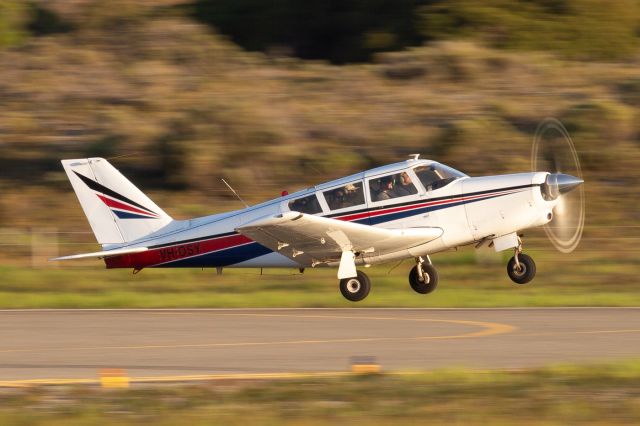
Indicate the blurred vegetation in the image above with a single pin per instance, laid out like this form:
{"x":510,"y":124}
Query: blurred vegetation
{"x":565,"y":394}
{"x":576,"y":28}
{"x":340,"y":31}
{"x":14,"y":18}
{"x":177,"y":104}
{"x":352,"y":30}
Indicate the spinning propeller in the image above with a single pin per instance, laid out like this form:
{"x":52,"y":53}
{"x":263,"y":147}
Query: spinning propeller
{"x":553,"y":151}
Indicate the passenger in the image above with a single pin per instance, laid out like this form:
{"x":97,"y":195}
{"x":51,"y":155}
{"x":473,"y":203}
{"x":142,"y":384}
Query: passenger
{"x":338,"y":199}
{"x":351,"y":188}
{"x":354,"y":195}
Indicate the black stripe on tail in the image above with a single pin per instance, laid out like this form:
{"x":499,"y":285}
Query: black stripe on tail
{"x":106,"y":191}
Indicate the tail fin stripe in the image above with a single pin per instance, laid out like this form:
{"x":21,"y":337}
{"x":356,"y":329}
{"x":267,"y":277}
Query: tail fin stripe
{"x":128,"y":215}
{"x":103,"y":189}
{"x":118,"y":205}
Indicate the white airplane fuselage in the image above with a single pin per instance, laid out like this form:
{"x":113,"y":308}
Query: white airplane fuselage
{"x":467,"y":210}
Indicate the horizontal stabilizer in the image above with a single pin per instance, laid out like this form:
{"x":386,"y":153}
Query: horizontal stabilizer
{"x":103,"y":254}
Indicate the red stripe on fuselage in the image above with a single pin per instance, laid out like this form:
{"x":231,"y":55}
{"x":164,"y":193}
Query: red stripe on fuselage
{"x":118,"y":205}
{"x":167,"y":254}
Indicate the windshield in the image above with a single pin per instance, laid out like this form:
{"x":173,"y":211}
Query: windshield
{"x":437,"y":175}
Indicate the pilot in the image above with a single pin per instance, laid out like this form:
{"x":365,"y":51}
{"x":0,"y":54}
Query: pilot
{"x":386,"y":189}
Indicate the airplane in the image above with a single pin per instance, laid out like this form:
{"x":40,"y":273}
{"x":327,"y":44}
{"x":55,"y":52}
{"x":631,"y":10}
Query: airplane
{"x":409,"y":209}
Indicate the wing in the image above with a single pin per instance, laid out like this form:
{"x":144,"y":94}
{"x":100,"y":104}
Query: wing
{"x":312,"y":240}
{"x":102,"y":254}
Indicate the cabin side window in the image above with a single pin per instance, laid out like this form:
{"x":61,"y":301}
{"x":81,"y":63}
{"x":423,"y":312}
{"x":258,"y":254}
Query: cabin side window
{"x":350,"y":195}
{"x":308,"y":204}
{"x":391,"y":186}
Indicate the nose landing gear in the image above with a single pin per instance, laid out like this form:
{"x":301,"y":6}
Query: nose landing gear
{"x":423,"y":277}
{"x":521,"y":267}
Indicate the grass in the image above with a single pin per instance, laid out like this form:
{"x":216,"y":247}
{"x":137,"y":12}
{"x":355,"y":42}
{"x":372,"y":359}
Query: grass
{"x":567,"y":394}
{"x":467,"y":279}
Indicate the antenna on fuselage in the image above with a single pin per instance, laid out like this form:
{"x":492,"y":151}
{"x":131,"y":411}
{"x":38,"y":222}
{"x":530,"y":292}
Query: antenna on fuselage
{"x":415,"y":156}
{"x":235,"y":193}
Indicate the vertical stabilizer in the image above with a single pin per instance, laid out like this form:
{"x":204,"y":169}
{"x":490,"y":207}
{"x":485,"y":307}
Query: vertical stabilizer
{"x":117,"y":211}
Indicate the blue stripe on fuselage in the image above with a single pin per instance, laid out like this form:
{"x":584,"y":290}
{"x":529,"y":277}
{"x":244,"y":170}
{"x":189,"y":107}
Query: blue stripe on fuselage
{"x":223,"y":257}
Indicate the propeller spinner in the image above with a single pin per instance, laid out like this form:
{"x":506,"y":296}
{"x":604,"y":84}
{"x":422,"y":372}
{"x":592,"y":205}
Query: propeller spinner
{"x":553,"y":151}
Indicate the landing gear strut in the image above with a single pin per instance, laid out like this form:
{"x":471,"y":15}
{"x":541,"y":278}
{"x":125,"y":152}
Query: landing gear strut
{"x":521,"y":268}
{"x":423,"y":277}
{"x":357,"y":288}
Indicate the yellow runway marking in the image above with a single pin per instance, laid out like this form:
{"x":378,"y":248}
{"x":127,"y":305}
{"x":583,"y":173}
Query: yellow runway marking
{"x":40,"y":382}
{"x":490,"y":328}
{"x":487,"y":329}
{"x":608,"y":331}
{"x":183,"y":378}
{"x":557,"y":333}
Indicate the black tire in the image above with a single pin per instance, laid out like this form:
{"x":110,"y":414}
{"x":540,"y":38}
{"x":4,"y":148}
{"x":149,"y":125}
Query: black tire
{"x":357,"y":288}
{"x":526,"y":272}
{"x":427,"y":286}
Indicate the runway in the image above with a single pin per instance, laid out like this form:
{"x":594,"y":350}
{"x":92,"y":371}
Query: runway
{"x":76,"y":344}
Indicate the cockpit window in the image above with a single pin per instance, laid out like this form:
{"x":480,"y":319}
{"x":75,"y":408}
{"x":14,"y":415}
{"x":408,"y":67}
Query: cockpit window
{"x":392,"y":186}
{"x":308,"y":204}
{"x":350,"y":195}
{"x":437,"y":175}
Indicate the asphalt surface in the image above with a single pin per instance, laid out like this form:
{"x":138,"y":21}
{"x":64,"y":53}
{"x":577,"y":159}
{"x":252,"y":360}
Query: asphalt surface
{"x":74,"y":344}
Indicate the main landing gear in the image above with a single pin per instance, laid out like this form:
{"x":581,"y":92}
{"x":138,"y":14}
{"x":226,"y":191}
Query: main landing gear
{"x":521,"y":268}
{"x":357,"y":288}
{"x":423,"y":277}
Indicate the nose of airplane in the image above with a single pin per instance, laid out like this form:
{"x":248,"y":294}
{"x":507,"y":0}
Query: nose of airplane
{"x":567,"y":182}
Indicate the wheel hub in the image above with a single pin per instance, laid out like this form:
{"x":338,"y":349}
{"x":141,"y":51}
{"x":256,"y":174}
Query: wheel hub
{"x":424,"y":278}
{"x":353,"y":285}
{"x":519,"y":269}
